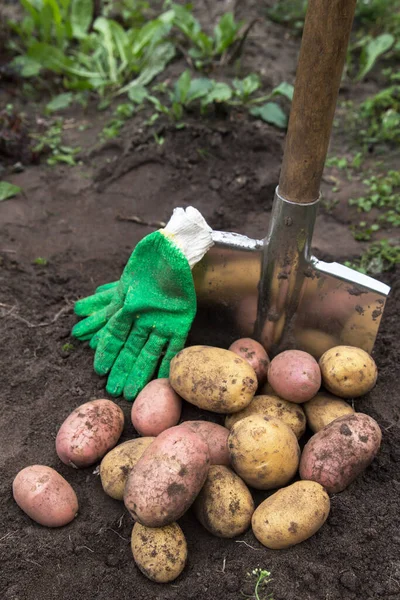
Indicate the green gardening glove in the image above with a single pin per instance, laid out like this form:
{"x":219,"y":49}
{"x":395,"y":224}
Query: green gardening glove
{"x":141,"y":322}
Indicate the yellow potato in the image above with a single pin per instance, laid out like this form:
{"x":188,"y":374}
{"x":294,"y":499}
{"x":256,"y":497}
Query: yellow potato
{"x":291,"y":515}
{"x":116,"y":465}
{"x":159,"y":552}
{"x":224,"y":506}
{"x":323,"y":409}
{"x":213,"y":379}
{"x":289,"y":412}
{"x":264,"y":451}
{"x":348,"y":371}
{"x":314,"y":341}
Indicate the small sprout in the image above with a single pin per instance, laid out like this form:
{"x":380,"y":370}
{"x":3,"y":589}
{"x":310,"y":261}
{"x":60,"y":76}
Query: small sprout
{"x":42,"y":262}
{"x":68,"y":347}
{"x":263,"y":577}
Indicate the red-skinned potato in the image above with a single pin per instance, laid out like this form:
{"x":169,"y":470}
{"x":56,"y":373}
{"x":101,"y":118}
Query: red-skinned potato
{"x":167,"y":477}
{"x":339,"y":452}
{"x":156,"y":408}
{"x":89,"y":432}
{"x":45,"y":496}
{"x":295,"y":375}
{"x":215,"y":436}
{"x":255,"y":355}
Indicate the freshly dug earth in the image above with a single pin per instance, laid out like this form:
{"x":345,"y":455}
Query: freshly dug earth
{"x":228,"y":170}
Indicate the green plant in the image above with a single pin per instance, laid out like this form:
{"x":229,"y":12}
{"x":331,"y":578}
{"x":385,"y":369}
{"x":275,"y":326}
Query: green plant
{"x":379,"y":257}
{"x":383,"y":194}
{"x":378,"y":117}
{"x":43,"y":262}
{"x":263,"y":578}
{"x":67,"y":347}
{"x":122,"y":113}
{"x":371,"y":49}
{"x":206,"y":49}
{"x":8,"y":190}
{"x":51,"y":142}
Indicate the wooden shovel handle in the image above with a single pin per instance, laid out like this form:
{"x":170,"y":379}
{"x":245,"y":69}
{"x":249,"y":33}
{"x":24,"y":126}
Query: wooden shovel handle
{"x":323,"y":51}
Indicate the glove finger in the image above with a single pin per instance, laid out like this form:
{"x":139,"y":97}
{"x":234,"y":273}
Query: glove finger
{"x":174,"y":347}
{"x":99,"y":319}
{"x":87,"y":306}
{"x":106,"y":286}
{"x":125,"y":361}
{"x":145,"y":366}
{"x":112,"y":340}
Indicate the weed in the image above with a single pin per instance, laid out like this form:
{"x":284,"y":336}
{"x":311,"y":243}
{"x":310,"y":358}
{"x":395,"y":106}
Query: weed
{"x":39,"y":261}
{"x":122,"y":113}
{"x":51,"y":142}
{"x":378,"y":117}
{"x":67,"y":347}
{"x":381,"y":256}
{"x":8,"y":190}
{"x":262,"y":577}
{"x":383,"y":194}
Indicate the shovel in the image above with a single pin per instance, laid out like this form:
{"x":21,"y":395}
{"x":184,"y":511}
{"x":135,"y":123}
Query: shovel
{"x":273,"y":289}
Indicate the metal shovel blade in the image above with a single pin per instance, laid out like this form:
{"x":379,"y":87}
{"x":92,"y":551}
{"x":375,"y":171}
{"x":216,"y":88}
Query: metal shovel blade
{"x":275,"y":291}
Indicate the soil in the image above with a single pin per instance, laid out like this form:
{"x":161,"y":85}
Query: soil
{"x":228,"y":168}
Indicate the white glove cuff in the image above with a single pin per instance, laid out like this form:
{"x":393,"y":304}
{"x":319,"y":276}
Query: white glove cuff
{"x":190,"y":232}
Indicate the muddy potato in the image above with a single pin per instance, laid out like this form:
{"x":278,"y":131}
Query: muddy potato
{"x":89,"y":432}
{"x":225,"y":505}
{"x":45,"y":496}
{"x":161,"y":552}
{"x":348,"y":371}
{"x":289,"y":412}
{"x":117,"y":464}
{"x":216,"y":438}
{"x":255,"y":355}
{"x":213,"y":379}
{"x":291,"y":515}
{"x":264,"y":451}
{"x":323,"y":409}
{"x":339,"y":452}
{"x":295,"y":375}
{"x":156,"y":408}
{"x":167,"y":477}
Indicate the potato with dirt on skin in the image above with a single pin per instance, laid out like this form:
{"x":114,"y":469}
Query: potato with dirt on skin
{"x":323,"y":409}
{"x":159,"y":552}
{"x":348,"y":371}
{"x":225,"y":505}
{"x":167,"y":477}
{"x":156,"y":408}
{"x":117,"y":464}
{"x":45,"y":496}
{"x":291,"y":515}
{"x":339,"y":452}
{"x":213,"y":379}
{"x":255,"y":355}
{"x":290,"y":413}
{"x":295,"y":375}
{"x":264,"y":451}
{"x":89,"y":432}
{"x":216,"y":438}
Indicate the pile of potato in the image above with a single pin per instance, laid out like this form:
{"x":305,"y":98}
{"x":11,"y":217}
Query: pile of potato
{"x":211,"y":467}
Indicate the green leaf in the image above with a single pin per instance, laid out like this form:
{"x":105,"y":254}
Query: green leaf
{"x":102,"y":25}
{"x":247,"y":86}
{"x":220,"y":92}
{"x":375,"y":48}
{"x":59,"y":102}
{"x":199,"y":88}
{"x":284,"y":89}
{"x":49,"y":57}
{"x":81,"y":17}
{"x":182,"y":87}
{"x":8,"y":190}
{"x":26,"y":66}
{"x":154,"y":64}
{"x":270,"y":113}
{"x":137,"y":94}
{"x":225,"y":32}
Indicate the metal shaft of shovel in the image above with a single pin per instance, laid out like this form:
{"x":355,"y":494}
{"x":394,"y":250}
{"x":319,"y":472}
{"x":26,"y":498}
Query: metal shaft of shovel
{"x":273,"y":289}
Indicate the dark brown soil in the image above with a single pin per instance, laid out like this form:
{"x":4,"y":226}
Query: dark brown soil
{"x":228,"y":168}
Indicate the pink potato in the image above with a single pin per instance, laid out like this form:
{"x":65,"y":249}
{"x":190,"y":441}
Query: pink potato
{"x":156,"y":408}
{"x":255,"y":355}
{"x":167,"y":477}
{"x":340,"y":451}
{"x":89,"y":432}
{"x":294,"y":375}
{"x":45,"y":496}
{"x":216,"y":436}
